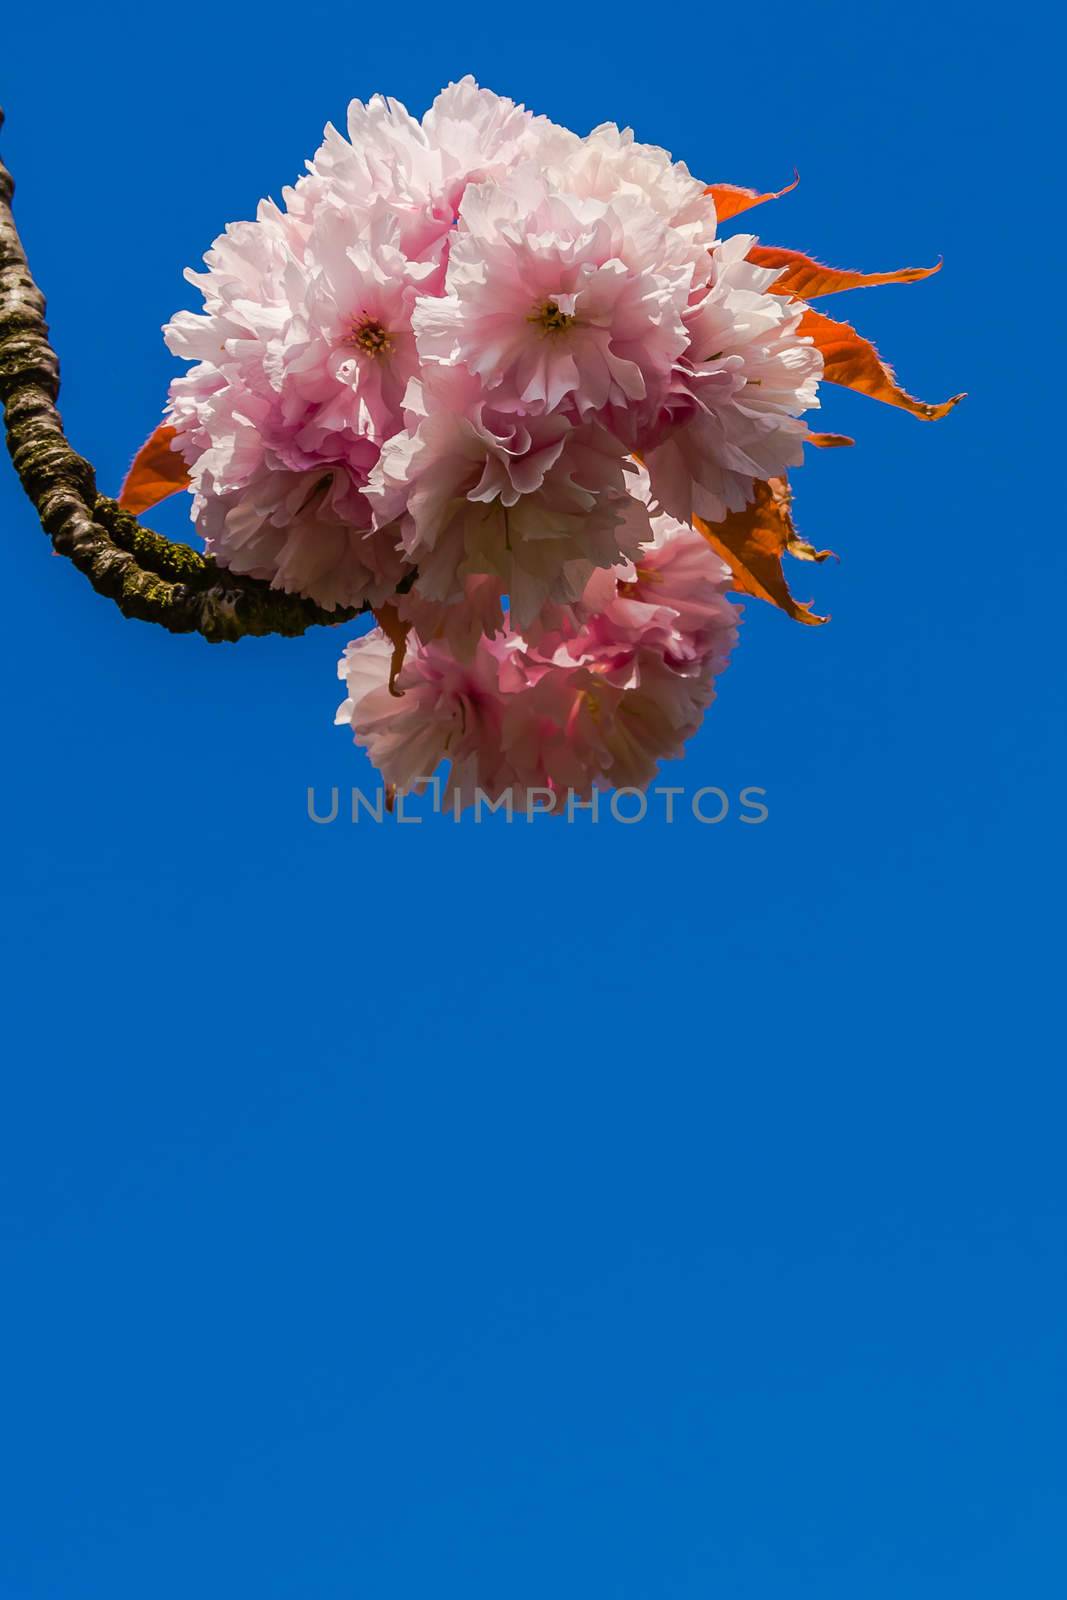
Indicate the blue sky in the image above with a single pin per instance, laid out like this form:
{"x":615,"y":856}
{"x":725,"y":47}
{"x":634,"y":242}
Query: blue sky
{"x":645,"y":1213}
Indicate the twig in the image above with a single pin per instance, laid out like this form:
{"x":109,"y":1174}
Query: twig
{"x":147,"y":576}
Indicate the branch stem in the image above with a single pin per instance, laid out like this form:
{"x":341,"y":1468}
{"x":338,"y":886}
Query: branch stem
{"x":147,"y":576}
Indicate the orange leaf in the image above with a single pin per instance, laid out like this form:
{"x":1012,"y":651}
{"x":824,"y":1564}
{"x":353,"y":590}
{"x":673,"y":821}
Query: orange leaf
{"x":851,"y":360}
{"x":157,"y":471}
{"x":829,"y":441}
{"x":807,"y":279}
{"x":730,"y":200}
{"x":753,"y":541}
{"x":396,"y":630}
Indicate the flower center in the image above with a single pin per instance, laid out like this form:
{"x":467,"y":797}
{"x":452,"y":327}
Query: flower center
{"x":550,"y":319}
{"x":645,"y":575}
{"x":370,"y":337}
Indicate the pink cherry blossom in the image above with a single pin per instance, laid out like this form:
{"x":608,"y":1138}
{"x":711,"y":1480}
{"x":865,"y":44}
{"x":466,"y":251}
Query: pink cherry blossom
{"x":619,"y":685}
{"x":297,"y":385}
{"x":447,"y":710}
{"x":556,"y":301}
{"x":732,"y":417}
{"x":531,"y":500}
{"x":305,"y":532}
{"x":469,"y":135}
{"x":609,"y":163}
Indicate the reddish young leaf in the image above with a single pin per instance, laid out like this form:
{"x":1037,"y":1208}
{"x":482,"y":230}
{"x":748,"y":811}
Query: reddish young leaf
{"x":730,"y":200}
{"x":396,"y":630}
{"x":157,"y":471}
{"x":753,"y":541}
{"x":829,"y":441}
{"x":807,"y":279}
{"x":852,"y":361}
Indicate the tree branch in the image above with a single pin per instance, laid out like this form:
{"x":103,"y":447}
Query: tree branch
{"x":147,"y":576}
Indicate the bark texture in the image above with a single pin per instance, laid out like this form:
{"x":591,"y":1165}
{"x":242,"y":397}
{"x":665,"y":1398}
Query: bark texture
{"x":147,"y":576}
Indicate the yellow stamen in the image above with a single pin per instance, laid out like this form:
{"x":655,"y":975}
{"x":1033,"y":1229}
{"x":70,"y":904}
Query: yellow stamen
{"x":370,"y":337}
{"x":550,"y":318}
{"x":645,"y":575}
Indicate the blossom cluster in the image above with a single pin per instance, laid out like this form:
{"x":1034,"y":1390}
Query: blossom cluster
{"x":500,"y":368}
{"x":594,"y":696}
